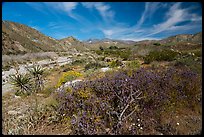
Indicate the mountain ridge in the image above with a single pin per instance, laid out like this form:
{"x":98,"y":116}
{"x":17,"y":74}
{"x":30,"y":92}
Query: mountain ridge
{"x":19,"y":38}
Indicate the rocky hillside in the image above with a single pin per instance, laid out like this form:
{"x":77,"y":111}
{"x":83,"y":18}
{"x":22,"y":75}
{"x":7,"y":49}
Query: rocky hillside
{"x":18,"y":38}
{"x":192,"y":38}
{"x":73,"y":44}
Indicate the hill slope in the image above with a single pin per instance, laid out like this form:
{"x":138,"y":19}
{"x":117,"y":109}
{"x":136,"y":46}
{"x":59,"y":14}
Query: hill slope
{"x":18,"y":38}
{"x":192,"y":38}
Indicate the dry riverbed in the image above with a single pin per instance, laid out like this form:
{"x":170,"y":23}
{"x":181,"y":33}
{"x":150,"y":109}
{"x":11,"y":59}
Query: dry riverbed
{"x":22,"y":68}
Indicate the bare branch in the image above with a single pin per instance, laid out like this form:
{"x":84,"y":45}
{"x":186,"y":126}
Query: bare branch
{"x":120,"y":117}
{"x":136,"y":107}
{"x":118,"y":95}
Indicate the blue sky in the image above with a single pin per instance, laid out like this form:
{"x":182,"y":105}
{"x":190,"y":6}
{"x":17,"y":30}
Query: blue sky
{"x":116,"y":20}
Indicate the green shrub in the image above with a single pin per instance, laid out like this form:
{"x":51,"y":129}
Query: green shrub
{"x":157,"y":44}
{"x":101,"y":58}
{"x":78,"y":62}
{"x":99,"y":52}
{"x":190,"y":62}
{"x":37,"y":73}
{"x":6,"y":67}
{"x":101,"y":48}
{"x":123,"y":53}
{"x":113,"y":47}
{"x":133,"y":64}
{"x":198,"y":53}
{"x":164,"y":55}
{"x":93,"y":66}
{"x":115,"y":63}
{"x":66,"y":68}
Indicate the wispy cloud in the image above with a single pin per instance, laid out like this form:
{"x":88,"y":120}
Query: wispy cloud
{"x":176,"y":19}
{"x":175,"y":15}
{"x":67,"y":7}
{"x":104,"y":9}
{"x":37,"y":6}
{"x":150,"y":9}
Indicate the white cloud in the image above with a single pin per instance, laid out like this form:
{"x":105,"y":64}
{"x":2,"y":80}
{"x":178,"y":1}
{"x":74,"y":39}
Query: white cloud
{"x":67,"y":7}
{"x":174,"y":16}
{"x":63,"y":6}
{"x":139,"y":39}
{"x":104,"y":9}
{"x":173,"y":19}
{"x":108,"y":32}
{"x":150,"y":9}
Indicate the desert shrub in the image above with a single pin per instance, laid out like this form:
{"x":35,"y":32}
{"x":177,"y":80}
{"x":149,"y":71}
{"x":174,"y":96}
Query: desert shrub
{"x":164,"y":55}
{"x":115,"y":63}
{"x":6,"y":67}
{"x":79,"y":62}
{"x":68,"y":76}
{"x":22,"y":82}
{"x":191,"y":63}
{"x":157,"y":44}
{"x":101,"y":48}
{"x":47,"y":91}
{"x":133,"y":64}
{"x":66,"y":68}
{"x":84,"y":110}
{"x":116,"y":101}
{"x":198,"y":53}
{"x":123,"y":53}
{"x":99,"y":52}
{"x":37,"y":74}
{"x":94,"y":65}
{"x":101,"y":58}
{"x":113,"y":47}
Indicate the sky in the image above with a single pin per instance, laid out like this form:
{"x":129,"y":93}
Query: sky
{"x":115,"y":20}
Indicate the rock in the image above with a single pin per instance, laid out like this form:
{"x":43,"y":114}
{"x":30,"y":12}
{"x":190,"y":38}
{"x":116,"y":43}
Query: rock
{"x":17,"y":97}
{"x":69,"y":84}
{"x":21,"y":117}
{"x":41,"y":95}
{"x":105,"y":69}
{"x":107,"y":129}
{"x":13,"y":112}
{"x":158,"y":133}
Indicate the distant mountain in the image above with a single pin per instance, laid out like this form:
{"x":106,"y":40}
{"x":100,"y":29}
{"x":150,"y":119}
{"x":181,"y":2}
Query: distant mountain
{"x":108,"y":41}
{"x":146,"y":42}
{"x":73,"y":43}
{"x":181,"y":38}
{"x":89,"y":41}
{"x":18,"y":38}
{"x":192,"y":38}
